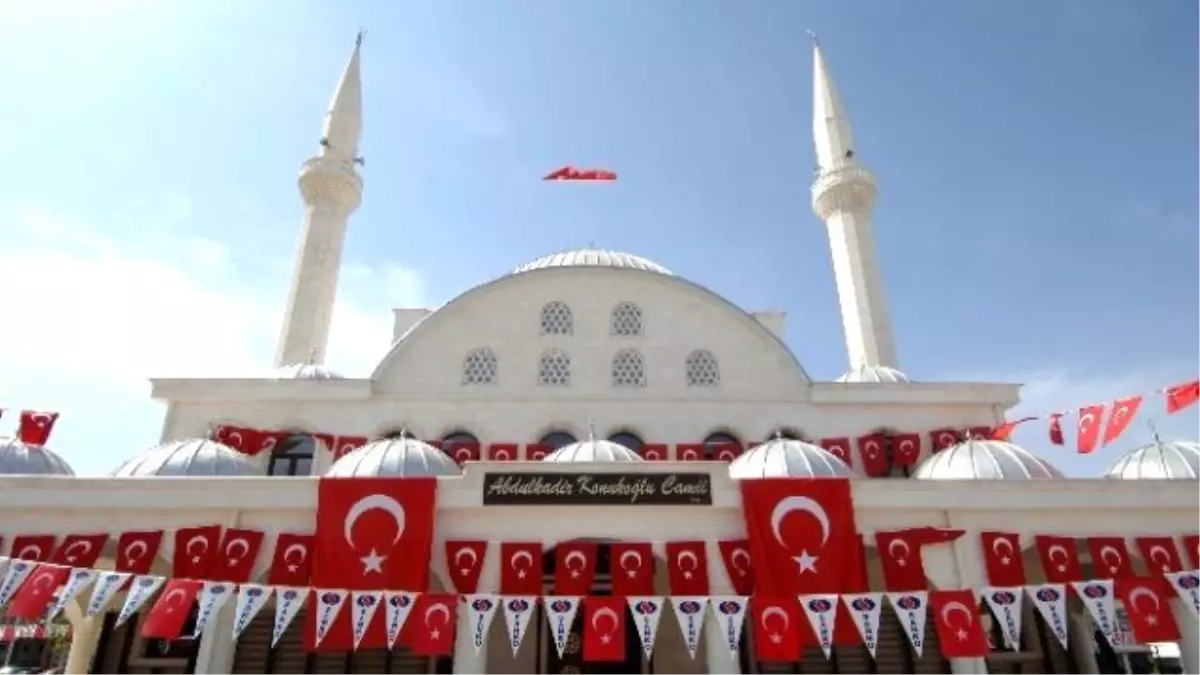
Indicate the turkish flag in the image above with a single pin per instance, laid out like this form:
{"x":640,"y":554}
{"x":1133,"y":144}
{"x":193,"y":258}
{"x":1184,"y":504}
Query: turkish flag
{"x":1002,"y":558}
{"x":503,"y":452}
{"x":1191,"y":546}
{"x":632,"y":568}
{"x":238,"y":553}
{"x":689,"y":452}
{"x":604,"y":628}
{"x":268,"y":441}
{"x":1060,"y":559}
{"x":520,"y":568}
{"x":908,"y":448}
{"x":37,"y":591}
{"x":1089,"y":428}
{"x":1123,"y":412}
{"x":845,"y":632}
{"x":165,"y":620}
{"x":234,"y":437}
{"x":1056,"y":432}
{"x":776,"y":629}
{"x":80,"y":550}
{"x":654,"y":452}
{"x":801,"y":531}
{"x":1004,"y":431}
{"x":735,"y":553}
{"x":944,"y":438}
{"x":1182,"y":396}
{"x":687,"y":568}
{"x":900,"y":555}
{"x":872,"y":449}
{"x":956,"y":616}
{"x":574,"y":567}
{"x":1159,"y":554}
{"x":34,"y":427}
{"x":1110,"y":558}
{"x":535,"y":452}
{"x":430,"y":627}
{"x":463,"y":451}
{"x":1149,"y":613}
{"x":32,"y":547}
{"x":291,"y":564}
{"x":838,"y":447}
{"x":726,"y":452}
{"x":464,"y":560}
{"x":195,"y":551}
{"x":136,"y":551}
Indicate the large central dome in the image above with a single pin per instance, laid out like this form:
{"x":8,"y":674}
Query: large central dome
{"x":593,"y":257}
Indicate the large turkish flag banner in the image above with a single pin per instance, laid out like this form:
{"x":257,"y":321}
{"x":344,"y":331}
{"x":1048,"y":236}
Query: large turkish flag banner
{"x":801,"y":533}
{"x":372,"y":534}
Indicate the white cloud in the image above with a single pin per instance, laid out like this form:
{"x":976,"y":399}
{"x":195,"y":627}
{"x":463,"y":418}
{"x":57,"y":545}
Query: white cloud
{"x":92,"y":314}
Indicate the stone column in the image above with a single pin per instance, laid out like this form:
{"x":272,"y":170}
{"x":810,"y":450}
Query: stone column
{"x":85,"y":634}
{"x":216,"y":650}
{"x":1189,"y":636}
{"x":1082,"y":641}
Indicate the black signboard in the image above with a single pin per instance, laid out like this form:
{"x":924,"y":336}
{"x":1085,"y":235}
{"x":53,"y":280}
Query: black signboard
{"x":594,"y":489}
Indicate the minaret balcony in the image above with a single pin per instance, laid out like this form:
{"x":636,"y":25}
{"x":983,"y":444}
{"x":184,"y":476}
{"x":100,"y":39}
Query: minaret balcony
{"x":846,"y":188}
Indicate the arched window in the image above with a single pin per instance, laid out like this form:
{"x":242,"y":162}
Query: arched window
{"x":479,"y":366}
{"x":554,"y":368}
{"x":628,"y":369}
{"x":557,"y":439}
{"x":627,"y":439}
{"x":557,"y":319}
{"x":459,"y":438}
{"x":626,"y":319}
{"x":720,"y":441}
{"x":293,"y":457}
{"x":702,"y":369}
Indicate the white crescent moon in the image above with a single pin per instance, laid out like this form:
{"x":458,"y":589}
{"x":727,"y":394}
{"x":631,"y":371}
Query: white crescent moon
{"x":85,"y":547}
{"x":1086,"y":421}
{"x":467,"y":552}
{"x":636,"y":555}
{"x":501,"y":454}
{"x":48,"y":577}
{"x":198,"y":538}
{"x":947,"y":438}
{"x":652,"y":454}
{"x":998,"y":541}
{"x":739,"y":554}
{"x":33,"y":550}
{"x":1105,"y":550}
{"x":774,"y":611}
{"x":239,"y":542}
{"x":175,"y":592}
{"x":140,"y":546}
{"x":521,"y":555}
{"x":956,"y":606}
{"x":368,"y":503}
{"x":575,"y":555}
{"x":1139,"y":592}
{"x":298,"y":548}
{"x":797,"y":503}
{"x":1057,"y":548}
{"x":905,"y":445}
{"x":269,"y":444}
{"x":235,"y":439}
{"x":439,"y":608}
{"x":42,"y":419}
{"x":1166,"y":555}
{"x":686,"y":555}
{"x":1121,"y":411}
{"x":690,"y":454}
{"x":899,"y":544}
{"x":462,"y":454}
{"x":605,"y":611}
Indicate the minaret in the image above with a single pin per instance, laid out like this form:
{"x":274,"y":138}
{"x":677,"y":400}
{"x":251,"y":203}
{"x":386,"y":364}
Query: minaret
{"x":332,"y":190}
{"x":843,"y":195}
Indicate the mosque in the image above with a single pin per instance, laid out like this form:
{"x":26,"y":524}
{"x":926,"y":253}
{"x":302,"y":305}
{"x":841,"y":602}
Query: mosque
{"x":601,"y":363}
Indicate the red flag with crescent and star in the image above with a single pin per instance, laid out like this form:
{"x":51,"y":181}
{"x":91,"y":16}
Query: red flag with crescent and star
{"x":34,"y":427}
{"x":900,"y":555}
{"x":687,"y":568}
{"x":167,"y":617}
{"x":1123,"y":412}
{"x":574,"y":567}
{"x":735,"y":553}
{"x":136,"y":551}
{"x":1182,"y":396}
{"x":32,"y":547}
{"x":872,"y":449}
{"x":907,"y":449}
{"x":1149,"y":613}
{"x":430,"y":626}
{"x":291,"y":564}
{"x":37,"y":591}
{"x":956,"y":617}
{"x":1056,"y":432}
{"x":838,"y":447}
{"x":603,"y":628}
{"x":1159,"y":554}
{"x":1089,"y":428}
{"x":80,"y":550}
{"x":1110,"y":558}
{"x":800,"y":532}
{"x":196,"y":551}
{"x":776,"y":628}
{"x":237,"y":555}
{"x":464,"y":560}
{"x":944,"y":438}
{"x":1002,"y":558}
{"x":520,"y":568}
{"x":1060,"y":558}
{"x":1191,"y":546}
{"x":632,"y":566}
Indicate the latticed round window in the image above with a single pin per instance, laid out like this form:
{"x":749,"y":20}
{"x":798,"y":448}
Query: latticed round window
{"x":702,"y":369}
{"x":628,"y":369}
{"x":556,"y":318}
{"x":554,"y":369}
{"x":479,"y":367}
{"x":627,"y":319}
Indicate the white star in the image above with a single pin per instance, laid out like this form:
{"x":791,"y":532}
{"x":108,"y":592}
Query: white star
{"x":687,"y":575}
{"x":776,"y":638}
{"x":1005,"y":560}
{"x":901,"y":562}
{"x":605,"y":639}
{"x":293,"y":568}
{"x":434,"y":634}
{"x":574,"y":574}
{"x":233,"y":563}
{"x":520,"y":574}
{"x":195,"y":558}
{"x":632,"y":574}
{"x":1152,"y":620}
{"x":962,"y":635}
{"x":807,"y":563}
{"x":373,"y":562}
{"x":463,"y":571}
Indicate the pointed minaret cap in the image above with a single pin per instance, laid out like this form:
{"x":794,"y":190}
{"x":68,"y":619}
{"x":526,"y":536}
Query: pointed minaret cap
{"x":343,"y":122}
{"x":831,"y":128}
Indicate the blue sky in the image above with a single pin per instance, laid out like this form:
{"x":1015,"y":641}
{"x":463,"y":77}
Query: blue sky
{"x":1037,"y":166}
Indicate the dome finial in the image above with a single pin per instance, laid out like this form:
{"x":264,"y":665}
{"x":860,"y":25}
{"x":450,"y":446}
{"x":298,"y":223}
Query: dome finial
{"x":403,"y":433}
{"x":1154,"y":433}
{"x":779,"y":434}
{"x":591,"y":430}
{"x":812,"y":35}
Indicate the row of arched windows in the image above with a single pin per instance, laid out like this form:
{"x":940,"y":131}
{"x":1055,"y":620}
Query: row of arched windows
{"x":557,"y":319}
{"x":481,"y":366}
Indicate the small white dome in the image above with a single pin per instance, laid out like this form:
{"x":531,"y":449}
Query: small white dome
{"x":189,"y":457}
{"x":1179,"y":460}
{"x":985,"y":460}
{"x":784,"y":458}
{"x":593,"y":450}
{"x":873,"y":375}
{"x":394,"y":457}
{"x":305,"y":371}
{"x":20,"y":459}
{"x":591,"y":257}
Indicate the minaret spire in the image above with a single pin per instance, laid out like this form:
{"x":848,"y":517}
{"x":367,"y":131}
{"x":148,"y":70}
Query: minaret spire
{"x":843,"y":196}
{"x":332,"y":190}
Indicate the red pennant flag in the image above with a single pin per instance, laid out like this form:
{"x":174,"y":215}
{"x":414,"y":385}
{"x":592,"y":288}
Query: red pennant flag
{"x":1002,"y":558}
{"x":136,"y":551}
{"x":80,"y":550}
{"x":1005,"y":430}
{"x":776,"y":629}
{"x":943,"y":438}
{"x":735,"y":553}
{"x":956,"y":616}
{"x":291,"y":564}
{"x":1159,"y":554}
{"x":165,"y":620}
{"x":1182,"y":396}
{"x":632,"y":568}
{"x":196,"y":551}
{"x":1191,"y":547}
{"x":34,"y":427}
{"x":603,"y":628}
{"x":1089,"y":428}
{"x":465,"y":562}
{"x":1060,"y":558}
{"x":574,"y":567}
{"x":520,"y":568}
{"x":1149,"y":613}
{"x":239,"y":552}
{"x":873,"y":451}
{"x":430,"y":628}
{"x":1110,"y":558}
{"x":845,"y":633}
{"x":801,"y":533}
{"x":32,"y":547}
{"x":33,"y":596}
{"x":1056,"y":432}
{"x":687,"y":568}
{"x":1123,"y":412}
{"x":900,"y":555}
{"x":908,"y":449}
{"x":838,"y":447}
